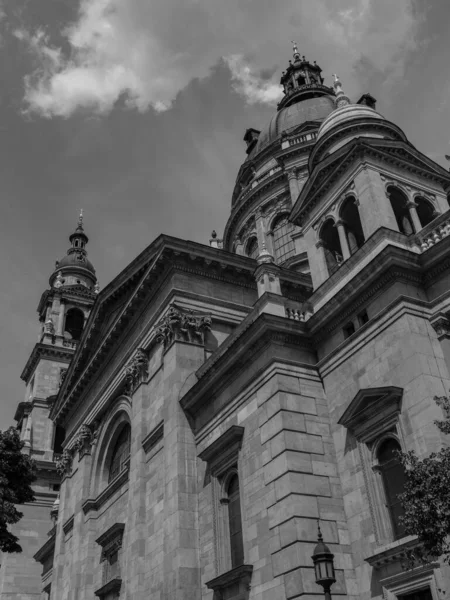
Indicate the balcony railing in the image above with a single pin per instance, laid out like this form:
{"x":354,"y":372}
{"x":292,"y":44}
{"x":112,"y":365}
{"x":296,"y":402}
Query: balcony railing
{"x":433,"y":233}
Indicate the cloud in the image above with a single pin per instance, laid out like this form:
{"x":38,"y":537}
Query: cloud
{"x":144,"y":52}
{"x":248,"y":84}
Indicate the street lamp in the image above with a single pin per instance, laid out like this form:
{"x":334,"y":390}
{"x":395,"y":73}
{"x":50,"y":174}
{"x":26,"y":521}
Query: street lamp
{"x":323,"y":565}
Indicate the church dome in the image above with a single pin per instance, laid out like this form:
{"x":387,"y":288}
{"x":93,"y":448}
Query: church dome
{"x":345,"y":114}
{"x":76,"y":260}
{"x":290,"y":117}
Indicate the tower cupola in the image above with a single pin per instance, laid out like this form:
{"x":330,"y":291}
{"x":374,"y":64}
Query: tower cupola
{"x":302,"y":80}
{"x":75,"y":268}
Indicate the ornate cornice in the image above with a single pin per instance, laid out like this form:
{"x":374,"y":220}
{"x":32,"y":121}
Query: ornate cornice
{"x":41,"y":350}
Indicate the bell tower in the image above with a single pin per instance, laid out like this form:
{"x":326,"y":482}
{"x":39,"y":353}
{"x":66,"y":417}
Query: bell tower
{"x":63,"y":310}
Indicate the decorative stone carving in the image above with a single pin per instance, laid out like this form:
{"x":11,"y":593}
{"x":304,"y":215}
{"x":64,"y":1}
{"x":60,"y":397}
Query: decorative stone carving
{"x":84,"y":440}
{"x":64,"y":464}
{"x":183,"y":324}
{"x":136,"y":370}
{"x":442,"y":327}
{"x":49,"y":327}
{"x":62,"y":376}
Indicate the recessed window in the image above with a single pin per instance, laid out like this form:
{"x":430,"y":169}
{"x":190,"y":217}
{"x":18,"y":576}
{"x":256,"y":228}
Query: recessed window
{"x":349,"y":330}
{"x":363,"y":318}
{"x":56,"y":487}
{"x":393,"y":476}
{"x":235,"y":522}
{"x":419,"y":595}
{"x":121,"y":453}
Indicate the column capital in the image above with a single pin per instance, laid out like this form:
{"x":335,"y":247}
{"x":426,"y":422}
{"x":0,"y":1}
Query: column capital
{"x":292,"y":173}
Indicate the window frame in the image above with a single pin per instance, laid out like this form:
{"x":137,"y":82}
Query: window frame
{"x":123,"y":457}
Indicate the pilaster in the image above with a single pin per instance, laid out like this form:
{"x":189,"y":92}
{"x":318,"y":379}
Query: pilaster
{"x":374,"y":205}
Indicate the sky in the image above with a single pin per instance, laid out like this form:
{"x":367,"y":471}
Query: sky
{"x":135,"y":110}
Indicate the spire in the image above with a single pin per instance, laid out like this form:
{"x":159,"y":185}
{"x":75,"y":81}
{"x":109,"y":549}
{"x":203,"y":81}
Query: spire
{"x":341,"y":98}
{"x":295,"y":51}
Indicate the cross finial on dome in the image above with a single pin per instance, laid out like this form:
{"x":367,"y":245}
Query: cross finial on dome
{"x":295,"y":49}
{"x":80,"y":218}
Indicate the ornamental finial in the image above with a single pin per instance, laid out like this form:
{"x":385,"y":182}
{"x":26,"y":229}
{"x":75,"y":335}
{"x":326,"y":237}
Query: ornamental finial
{"x":80,"y":218}
{"x":320,"y":536}
{"x":341,"y":98}
{"x":295,"y":49}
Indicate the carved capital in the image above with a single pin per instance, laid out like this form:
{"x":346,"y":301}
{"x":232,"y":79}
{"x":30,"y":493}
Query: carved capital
{"x":292,"y":174}
{"x":85,"y":439}
{"x":136,"y":370}
{"x":64,"y":463}
{"x":183,"y":324}
{"x":442,"y":327}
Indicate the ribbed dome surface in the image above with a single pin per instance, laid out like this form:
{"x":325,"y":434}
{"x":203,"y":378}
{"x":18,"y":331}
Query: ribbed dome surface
{"x":312,"y":109}
{"x":346,"y":114}
{"x":74,"y":260}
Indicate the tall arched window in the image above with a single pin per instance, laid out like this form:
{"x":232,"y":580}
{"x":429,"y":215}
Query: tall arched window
{"x":393,"y":476}
{"x":352,"y":222}
{"x":120,"y":453}
{"x":252,"y":248}
{"x":283,"y":244}
{"x":425,"y":211}
{"x":74,"y":324}
{"x":235,"y":522}
{"x":332,"y":246}
{"x":399,"y":203}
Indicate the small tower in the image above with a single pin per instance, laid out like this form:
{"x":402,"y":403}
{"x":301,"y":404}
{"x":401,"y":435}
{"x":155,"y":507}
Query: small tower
{"x":63,"y":310}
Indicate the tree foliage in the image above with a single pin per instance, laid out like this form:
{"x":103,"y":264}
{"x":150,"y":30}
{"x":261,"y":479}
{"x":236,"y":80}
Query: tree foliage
{"x":17,"y":473}
{"x":426,"y":499}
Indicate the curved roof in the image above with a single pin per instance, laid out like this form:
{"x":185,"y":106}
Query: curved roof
{"x":312,"y":109}
{"x":345,"y":114}
{"x":75,"y":259}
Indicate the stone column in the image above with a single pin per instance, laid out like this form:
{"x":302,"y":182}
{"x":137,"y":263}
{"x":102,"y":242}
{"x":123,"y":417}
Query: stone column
{"x":343,"y":240}
{"x":293,"y":184}
{"x":412,"y":207}
{"x":260,"y":227}
{"x":318,"y":264}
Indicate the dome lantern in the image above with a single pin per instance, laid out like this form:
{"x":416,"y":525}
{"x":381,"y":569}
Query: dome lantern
{"x":302,"y":80}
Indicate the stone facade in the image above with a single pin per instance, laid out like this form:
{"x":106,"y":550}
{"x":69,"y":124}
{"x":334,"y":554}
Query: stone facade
{"x":220,"y":406}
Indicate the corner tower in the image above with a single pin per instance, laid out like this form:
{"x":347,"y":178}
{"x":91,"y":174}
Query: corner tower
{"x":63,"y":310}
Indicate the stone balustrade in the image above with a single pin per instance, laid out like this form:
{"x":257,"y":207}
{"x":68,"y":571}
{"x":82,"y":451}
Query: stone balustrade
{"x":433,"y":233}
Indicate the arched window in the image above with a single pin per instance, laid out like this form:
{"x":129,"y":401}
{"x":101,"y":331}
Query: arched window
{"x":399,"y":203}
{"x":121,"y":453}
{"x":332,"y":246}
{"x":74,"y":324}
{"x":425,"y":211}
{"x":252,"y":248}
{"x":393,"y":476}
{"x":283,"y":244}
{"x":352,"y":222}
{"x":235,"y":522}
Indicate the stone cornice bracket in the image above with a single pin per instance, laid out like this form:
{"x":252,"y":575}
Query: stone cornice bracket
{"x":64,"y":464}
{"x":136,"y":371}
{"x":183,"y":325}
{"x":84,"y":440}
{"x":442,"y":327}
